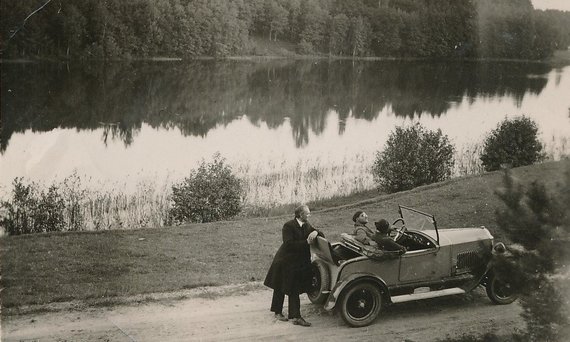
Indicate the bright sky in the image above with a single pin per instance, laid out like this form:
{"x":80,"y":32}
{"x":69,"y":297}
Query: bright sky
{"x":563,"y":5}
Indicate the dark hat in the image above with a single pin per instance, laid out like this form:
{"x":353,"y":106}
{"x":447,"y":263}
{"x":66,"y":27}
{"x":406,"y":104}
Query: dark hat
{"x":356,"y":214}
{"x":382,"y":225}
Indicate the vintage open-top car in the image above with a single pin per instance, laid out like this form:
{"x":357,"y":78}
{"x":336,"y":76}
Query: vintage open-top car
{"x":358,"y":280}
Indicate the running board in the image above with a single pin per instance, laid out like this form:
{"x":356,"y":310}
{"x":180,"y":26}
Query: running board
{"x":426,"y":295}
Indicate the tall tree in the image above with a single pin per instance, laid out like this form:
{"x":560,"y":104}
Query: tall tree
{"x":358,"y":36}
{"x":74,"y":28}
{"x":385,"y":25}
{"x":546,"y":38}
{"x":538,"y":221}
{"x":313,"y":21}
{"x":276,"y":19}
{"x":338,"y":35}
{"x":505,"y":28}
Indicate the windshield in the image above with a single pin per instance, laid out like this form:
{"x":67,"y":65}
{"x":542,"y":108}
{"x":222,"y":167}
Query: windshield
{"x":416,"y":220}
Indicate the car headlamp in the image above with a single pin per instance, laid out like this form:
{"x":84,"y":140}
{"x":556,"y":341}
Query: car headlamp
{"x":499,"y":248}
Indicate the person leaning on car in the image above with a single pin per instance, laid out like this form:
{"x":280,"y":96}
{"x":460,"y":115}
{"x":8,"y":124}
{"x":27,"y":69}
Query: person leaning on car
{"x":290,"y":272}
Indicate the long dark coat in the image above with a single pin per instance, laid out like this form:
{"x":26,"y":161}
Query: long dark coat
{"x":290,"y":271}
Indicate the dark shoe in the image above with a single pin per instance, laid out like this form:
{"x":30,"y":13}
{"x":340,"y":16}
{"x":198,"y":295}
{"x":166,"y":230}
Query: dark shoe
{"x":280,"y":317}
{"x":300,"y":321}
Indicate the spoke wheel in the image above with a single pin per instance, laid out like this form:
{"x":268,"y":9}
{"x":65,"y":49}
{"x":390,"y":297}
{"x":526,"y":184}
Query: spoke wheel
{"x":361,"y":304}
{"x":500,"y":291}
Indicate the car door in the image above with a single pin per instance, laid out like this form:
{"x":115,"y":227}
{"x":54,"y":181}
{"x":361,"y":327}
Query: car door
{"x":425,"y":265}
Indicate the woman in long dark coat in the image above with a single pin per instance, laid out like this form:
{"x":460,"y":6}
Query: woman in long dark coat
{"x":290,"y":272}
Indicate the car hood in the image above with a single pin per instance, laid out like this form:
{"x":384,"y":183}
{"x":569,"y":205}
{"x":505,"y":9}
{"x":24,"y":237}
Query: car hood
{"x":457,"y":236}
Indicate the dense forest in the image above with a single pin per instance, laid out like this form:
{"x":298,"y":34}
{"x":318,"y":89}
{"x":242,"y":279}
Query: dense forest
{"x":110,"y":29}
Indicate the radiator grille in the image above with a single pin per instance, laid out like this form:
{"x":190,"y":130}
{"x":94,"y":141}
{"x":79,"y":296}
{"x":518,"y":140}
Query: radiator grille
{"x":468,"y":260}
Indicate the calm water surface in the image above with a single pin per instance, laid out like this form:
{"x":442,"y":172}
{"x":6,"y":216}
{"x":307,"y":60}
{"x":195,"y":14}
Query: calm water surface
{"x":279,"y":124}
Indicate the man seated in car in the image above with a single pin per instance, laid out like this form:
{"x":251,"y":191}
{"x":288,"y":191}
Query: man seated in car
{"x":361,"y":232}
{"x":378,"y":237}
{"x":383,"y":239}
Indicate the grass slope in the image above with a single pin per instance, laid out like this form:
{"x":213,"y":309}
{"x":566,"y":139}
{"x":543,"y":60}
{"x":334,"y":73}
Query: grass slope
{"x":57,"y":267}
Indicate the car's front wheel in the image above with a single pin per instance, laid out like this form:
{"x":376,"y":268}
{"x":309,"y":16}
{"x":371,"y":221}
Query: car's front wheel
{"x":499,"y":290}
{"x":360,"y":304}
{"x":320,"y":282}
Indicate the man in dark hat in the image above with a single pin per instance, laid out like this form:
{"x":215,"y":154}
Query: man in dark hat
{"x":290,"y":272}
{"x":383,"y":239}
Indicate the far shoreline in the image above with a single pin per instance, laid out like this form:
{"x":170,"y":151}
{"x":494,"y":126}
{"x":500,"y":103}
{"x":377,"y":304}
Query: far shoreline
{"x":560,"y":58}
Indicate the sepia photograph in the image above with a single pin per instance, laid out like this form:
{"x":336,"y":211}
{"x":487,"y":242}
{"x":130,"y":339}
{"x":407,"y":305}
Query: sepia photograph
{"x":282,"y":170}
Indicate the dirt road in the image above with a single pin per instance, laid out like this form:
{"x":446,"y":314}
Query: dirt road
{"x":245,"y":317}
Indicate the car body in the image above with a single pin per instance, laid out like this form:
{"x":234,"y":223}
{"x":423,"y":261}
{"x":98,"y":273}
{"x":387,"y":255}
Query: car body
{"x":359,"y":281}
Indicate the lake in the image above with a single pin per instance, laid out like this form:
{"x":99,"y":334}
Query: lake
{"x":295,"y":130}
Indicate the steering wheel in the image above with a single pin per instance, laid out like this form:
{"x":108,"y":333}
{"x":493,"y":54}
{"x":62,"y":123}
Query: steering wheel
{"x":400,"y":231}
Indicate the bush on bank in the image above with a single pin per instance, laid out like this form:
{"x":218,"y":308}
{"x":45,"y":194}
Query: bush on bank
{"x":33,"y":210}
{"x":513,"y":143}
{"x":211,"y":193}
{"x":413,"y":156}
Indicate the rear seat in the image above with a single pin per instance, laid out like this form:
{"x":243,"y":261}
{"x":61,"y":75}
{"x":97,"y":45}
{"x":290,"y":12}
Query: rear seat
{"x":369,"y":251}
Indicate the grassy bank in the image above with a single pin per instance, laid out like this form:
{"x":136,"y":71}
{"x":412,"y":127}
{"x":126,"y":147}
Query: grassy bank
{"x":57,"y":267}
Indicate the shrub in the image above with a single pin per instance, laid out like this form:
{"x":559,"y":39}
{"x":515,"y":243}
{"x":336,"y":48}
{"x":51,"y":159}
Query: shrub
{"x":74,"y":196}
{"x":513,"y":143}
{"x":32,"y":210}
{"x":210,"y":193}
{"x":539,"y":222}
{"x":413,"y":156}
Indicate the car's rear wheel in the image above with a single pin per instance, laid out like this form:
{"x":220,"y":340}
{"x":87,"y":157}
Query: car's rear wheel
{"x":360,"y":304}
{"x":499,"y":290}
{"x":320,"y":282}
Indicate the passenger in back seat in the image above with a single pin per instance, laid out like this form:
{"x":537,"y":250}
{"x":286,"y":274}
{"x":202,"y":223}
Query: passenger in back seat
{"x":361,"y":232}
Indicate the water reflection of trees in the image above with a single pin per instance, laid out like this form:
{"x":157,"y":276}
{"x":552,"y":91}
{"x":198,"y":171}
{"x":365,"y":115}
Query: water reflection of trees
{"x":197,"y":96}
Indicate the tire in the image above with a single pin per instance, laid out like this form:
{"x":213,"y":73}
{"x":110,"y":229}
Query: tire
{"x":360,"y":304}
{"x":498,"y":291}
{"x":320,"y":282}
